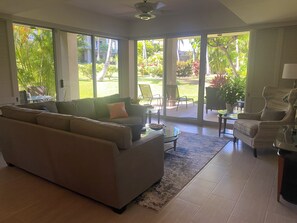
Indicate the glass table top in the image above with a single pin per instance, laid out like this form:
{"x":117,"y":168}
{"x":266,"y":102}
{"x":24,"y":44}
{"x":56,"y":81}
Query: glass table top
{"x":286,"y":138}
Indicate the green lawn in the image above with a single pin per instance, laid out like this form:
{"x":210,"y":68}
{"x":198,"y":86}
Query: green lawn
{"x":188,"y":86}
{"x":104,"y":88}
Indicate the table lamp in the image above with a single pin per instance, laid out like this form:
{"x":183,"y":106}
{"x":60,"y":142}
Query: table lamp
{"x":290,"y":72}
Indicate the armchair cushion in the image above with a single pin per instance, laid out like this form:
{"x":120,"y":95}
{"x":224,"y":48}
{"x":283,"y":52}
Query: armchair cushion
{"x":272,"y":115}
{"x":247,"y":127}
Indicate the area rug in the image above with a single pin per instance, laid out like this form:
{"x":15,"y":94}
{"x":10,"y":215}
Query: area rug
{"x":193,"y":152}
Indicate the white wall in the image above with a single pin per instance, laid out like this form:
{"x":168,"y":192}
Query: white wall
{"x":269,"y":50}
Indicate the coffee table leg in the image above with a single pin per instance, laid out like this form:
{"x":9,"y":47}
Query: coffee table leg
{"x":150,"y":116}
{"x":220,"y":124}
{"x":225,"y":121}
{"x":174,"y":145}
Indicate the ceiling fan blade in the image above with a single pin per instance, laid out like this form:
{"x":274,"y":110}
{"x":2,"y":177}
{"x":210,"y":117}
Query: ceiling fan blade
{"x":159,"y":5}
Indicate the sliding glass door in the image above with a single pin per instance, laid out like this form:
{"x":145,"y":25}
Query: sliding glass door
{"x":107,"y":72}
{"x":183,"y":61}
{"x":226,"y":70}
{"x":84,"y":65}
{"x":150,"y":72}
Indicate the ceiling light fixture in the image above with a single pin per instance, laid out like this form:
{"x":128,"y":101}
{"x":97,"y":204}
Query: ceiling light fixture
{"x":145,"y":16}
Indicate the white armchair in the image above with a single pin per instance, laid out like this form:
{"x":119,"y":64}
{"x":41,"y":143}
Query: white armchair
{"x":258,"y":130}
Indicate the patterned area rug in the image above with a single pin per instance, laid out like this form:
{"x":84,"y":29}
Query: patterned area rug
{"x":193,"y":152}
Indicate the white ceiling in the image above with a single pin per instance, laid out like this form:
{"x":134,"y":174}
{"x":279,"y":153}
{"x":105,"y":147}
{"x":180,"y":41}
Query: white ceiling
{"x":249,"y":11}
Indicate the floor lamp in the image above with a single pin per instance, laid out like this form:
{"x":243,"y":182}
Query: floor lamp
{"x":290,"y":72}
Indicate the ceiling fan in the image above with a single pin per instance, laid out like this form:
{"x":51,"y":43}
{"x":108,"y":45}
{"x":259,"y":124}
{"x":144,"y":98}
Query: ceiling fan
{"x":146,"y":9}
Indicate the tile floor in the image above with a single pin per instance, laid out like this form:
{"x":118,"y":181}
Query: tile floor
{"x":234,"y":187}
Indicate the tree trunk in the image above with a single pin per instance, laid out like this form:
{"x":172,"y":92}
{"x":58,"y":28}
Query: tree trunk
{"x":107,"y":61}
{"x":230,"y":60}
{"x":98,"y":51}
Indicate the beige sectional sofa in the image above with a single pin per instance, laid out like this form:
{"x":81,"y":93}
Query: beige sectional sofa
{"x":96,"y":159}
{"x":95,"y":108}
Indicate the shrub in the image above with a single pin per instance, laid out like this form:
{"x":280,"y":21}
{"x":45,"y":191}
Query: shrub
{"x":218,"y":81}
{"x":184,"y":69}
{"x":85,"y":70}
{"x":195,"y":68}
{"x":112,"y":69}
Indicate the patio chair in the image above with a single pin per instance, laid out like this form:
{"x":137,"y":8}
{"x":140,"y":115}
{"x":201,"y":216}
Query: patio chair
{"x":259,"y":130}
{"x":146,"y":93}
{"x":172,"y":94}
{"x":38,"y":94}
{"x":37,"y":90}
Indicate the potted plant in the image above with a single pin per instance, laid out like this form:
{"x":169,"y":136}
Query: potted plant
{"x":218,"y":81}
{"x":232,"y":91}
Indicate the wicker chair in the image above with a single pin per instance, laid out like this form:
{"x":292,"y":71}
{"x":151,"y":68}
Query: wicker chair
{"x":213,"y":100}
{"x":258,"y":130}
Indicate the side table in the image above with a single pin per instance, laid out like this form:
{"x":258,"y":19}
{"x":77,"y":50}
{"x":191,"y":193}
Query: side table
{"x":286,"y":142}
{"x":224,"y":116}
{"x":151,"y":111}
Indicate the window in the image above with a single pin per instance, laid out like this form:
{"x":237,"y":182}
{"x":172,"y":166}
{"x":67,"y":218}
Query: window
{"x":35,"y":60}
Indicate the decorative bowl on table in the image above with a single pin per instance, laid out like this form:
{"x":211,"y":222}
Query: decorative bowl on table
{"x":156,"y":126}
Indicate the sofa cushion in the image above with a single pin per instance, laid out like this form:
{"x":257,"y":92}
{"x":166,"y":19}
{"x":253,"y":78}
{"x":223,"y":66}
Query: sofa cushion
{"x":81,"y":107}
{"x":117,"y":110}
{"x":247,"y":127}
{"x":45,"y":106}
{"x":119,"y":134}
{"x":101,"y":105}
{"x":135,"y":120}
{"x":85,"y":108}
{"x":66,"y":107}
{"x":54,"y":120}
{"x":272,"y":115}
{"x":21,"y":114}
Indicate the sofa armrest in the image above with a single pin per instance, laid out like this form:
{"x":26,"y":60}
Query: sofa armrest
{"x":252,"y":116}
{"x":140,"y":166}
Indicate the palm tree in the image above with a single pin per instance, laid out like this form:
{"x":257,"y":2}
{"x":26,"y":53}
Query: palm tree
{"x":107,"y":62}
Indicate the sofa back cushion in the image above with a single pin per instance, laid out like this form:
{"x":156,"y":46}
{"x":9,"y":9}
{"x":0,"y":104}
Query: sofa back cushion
{"x":101,"y":104}
{"x":21,"y":114}
{"x":119,"y":134}
{"x":45,"y":106}
{"x":66,"y":107}
{"x":272,"y":115}
{"x":81,"y":107}
{"x":85,"y":108}
{"x":54,"y":120}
